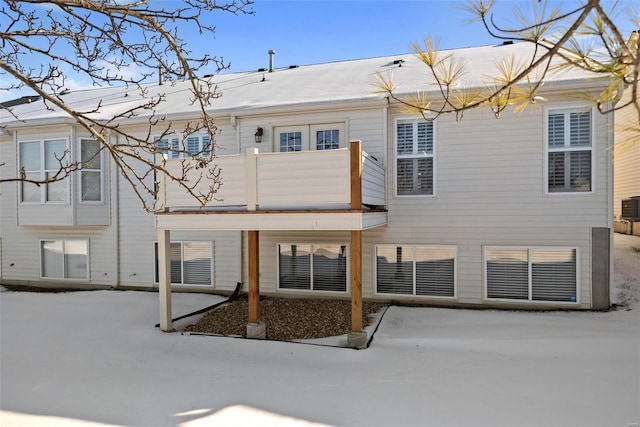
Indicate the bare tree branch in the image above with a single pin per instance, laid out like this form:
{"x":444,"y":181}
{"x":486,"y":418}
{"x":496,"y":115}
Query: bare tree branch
{"x":119,"y":43}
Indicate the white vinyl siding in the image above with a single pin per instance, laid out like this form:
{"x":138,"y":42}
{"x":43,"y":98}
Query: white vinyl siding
{"x":42,"y":160}
{"x":191,"y":263}
{"x":416,"y":270}
{"x":64,"y":259}
{"x":531,"y":274}
{"x":569,"y":146}
{"x":91,"y":182}
{"x":312,"y":267}
{"x":414,"y":158}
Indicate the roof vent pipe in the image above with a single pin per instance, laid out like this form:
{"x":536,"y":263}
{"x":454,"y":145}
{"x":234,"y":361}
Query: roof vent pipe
{"x":271,"y":53}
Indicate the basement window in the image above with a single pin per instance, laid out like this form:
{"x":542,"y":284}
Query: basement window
{"x":531,"y":274}
{"x":312,"y":267}
{"x":416,"y":270}
{"x":191,"y":263}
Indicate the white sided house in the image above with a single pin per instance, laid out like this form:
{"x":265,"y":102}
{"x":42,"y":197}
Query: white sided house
{"x":344,"y":196}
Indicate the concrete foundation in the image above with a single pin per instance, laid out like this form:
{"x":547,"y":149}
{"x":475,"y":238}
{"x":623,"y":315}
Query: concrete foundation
{"x":357,"y":340}
{"x":256,"y":331}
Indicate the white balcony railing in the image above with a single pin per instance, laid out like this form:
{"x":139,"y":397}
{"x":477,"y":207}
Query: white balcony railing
{"x":307,"y":180}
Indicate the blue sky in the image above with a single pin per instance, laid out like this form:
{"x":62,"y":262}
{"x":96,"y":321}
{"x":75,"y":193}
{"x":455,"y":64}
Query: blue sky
{"x":306,"y":32}
{"x":310,"y":31}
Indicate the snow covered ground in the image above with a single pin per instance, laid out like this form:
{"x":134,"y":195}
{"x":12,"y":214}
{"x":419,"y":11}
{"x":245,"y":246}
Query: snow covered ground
{"x":95,"y":359}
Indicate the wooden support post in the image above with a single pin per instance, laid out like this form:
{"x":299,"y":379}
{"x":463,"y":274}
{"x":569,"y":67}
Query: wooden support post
{"x":164,"y":279}
{"x":356,"y":174}
{"x":254,"y":281}
{"x":356,"y":281}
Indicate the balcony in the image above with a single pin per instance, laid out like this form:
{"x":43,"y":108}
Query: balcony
{"x":311,"y":190}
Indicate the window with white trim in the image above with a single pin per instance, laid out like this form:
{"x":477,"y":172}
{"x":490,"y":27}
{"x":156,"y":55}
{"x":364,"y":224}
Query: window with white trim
{"x":531,"y":274}
{"x":414,"y":157}
{"x":181,"y":147}
{"x":191,"y":263}
{"x":569,"y":151}
{"x":319,"y":137}
{"x":312,"y":267}
{"x":90,"y":171}
{"x":42,"y":160}
{"x":64,"y":259}
{"x":416,"y":270}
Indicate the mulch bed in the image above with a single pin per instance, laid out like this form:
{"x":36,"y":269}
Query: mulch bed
{"x":286,"y":319}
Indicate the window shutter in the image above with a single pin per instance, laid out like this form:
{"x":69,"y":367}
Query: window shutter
{"x":580,"y":163}
{"x":556,"y":130}
{"x":405,"y":138}
{"x":394,"y":270}
{"x":175,"y":254}
{"x":197,"y":257}
{"x":507,"y":273}
{"x":553,"y":274}
{"x":435,"y":271}
{"x":425,"y":137}
{"x":580,"y":129}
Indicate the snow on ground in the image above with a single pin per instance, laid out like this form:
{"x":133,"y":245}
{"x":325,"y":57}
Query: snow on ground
{"x":95,"y":358}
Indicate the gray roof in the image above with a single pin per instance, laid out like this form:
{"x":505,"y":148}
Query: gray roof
{"x":334,"y":82}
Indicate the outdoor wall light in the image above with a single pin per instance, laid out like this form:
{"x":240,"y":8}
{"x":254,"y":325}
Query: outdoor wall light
{"x":259,"y":134}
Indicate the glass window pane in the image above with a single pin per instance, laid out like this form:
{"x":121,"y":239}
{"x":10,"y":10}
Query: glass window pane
{"x":193,"y":145}
{"x":330,"y":268}
{"x":327,"y":139}
{"x":55,"y":154}
{"x":553,"y":275}
{"x":90,"y":154}
{"x":425,"y":137}
{"x":556,"y":171}
{"x":404,"y":138}
{"x":295,"y":266}
{"x":580,"y":127}
{"x":508,"y":273}
{"x":197,"y":263}
{"x":415,"y":176}
{"x":30,"y":156}
{"x":580,"y":162}
{"x":31,"y":192}
{"x":91,"y":186}
{"x":175,"y":254}
{"x":56,"y":191}
{"x":394,"y":270}
{"x":435,"y":271}
{"x":75,"y":259}
{"x":52,"y":259}
{"x":556,"y":130}
{"x":290,"y":141}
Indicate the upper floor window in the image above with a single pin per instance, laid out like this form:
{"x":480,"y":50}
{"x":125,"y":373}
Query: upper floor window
{"x":569,"y":151}
{"x":309,"y":137}
{"x":42,"y":160}
{"x":414,"y":157}
{"x":179,"y":147}
{"x":90,"y":171}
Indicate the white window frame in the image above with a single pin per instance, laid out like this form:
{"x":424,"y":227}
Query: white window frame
{"x":77,"y":279}
{"x":311,"y":267}
{"x":42,"y":171}
{"x":156,"y":274}
{"x":567,"y":110}
{"x":181,"y":142}
{"x":100,"y":170}
{"x":529,"y":250}
{"x":414,"y":247}
{"x":415,"y":154}
{"x":308,"y":133}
